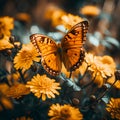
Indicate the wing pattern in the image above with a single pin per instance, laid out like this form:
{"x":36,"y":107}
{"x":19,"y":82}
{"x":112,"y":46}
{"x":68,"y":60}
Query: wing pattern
{"x":73,"y":53}
{"x":48,"y":51}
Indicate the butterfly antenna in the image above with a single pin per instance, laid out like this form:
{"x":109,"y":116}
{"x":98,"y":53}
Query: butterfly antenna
{"x":70,"y":74}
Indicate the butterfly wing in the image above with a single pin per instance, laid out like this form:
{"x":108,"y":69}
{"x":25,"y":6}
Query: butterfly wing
{"x":72,"y":51}
{"x":48,"y":50}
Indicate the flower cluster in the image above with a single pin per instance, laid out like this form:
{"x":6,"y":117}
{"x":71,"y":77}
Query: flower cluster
{"x":100,"y":67}
{"x":64,"y":112}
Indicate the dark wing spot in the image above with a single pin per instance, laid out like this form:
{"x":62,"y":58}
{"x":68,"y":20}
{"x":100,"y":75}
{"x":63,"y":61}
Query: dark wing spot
{"x":47,"y":40}
{"x":74,"y":32}
{"x":48,"y":60}
{"x":51,"y":41}
{"x":68,"y":36}
{"x":75,"y":54}
{"x":42,"y":39}
{"x":66,"y":50}
{"x":55,"y":53}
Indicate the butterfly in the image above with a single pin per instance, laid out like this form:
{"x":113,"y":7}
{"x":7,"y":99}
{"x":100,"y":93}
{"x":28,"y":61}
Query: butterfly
{"x":69,"y":51}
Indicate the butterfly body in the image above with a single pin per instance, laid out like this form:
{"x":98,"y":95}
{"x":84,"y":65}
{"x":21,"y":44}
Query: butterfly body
{"x":69,"y":51}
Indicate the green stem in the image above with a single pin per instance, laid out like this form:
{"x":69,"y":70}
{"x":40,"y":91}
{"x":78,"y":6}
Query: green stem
{"x":21,"y":75}
{"x":91,"y":82}
{"x":107,"y":90}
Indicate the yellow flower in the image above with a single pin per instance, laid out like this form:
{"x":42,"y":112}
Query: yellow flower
{"x":113,"y":107}
{"x":64,"y":112}
{"x":24,"y":59}
{"x":6,"y":24}
{"x":56,"y":17}
{"x":17,"y":90}
{"x":70,"y":20}
{"x":100,"y":67}
{"x":43,"y":86}
{"x":54,"y":14}
{"x":90,"y":10}
{"x":5,"y":44}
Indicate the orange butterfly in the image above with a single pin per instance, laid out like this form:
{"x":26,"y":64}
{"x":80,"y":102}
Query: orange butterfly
{"x":69,"y":52}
